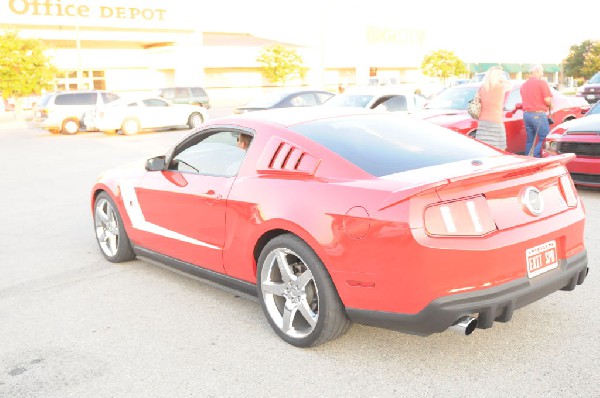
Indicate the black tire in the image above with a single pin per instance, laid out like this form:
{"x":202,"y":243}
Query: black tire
{"x":305,"y":311}
{"x":195,"y":120}
{"x":110,"y":232}
{"x":130,"y":126}
{"x":70,"y":126}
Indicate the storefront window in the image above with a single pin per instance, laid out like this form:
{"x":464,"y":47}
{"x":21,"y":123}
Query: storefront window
{"x":90,"y":80}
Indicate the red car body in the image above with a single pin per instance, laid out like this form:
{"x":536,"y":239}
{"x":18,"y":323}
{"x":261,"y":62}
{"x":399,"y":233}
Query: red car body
{"x":411,"y":234}
{"x":581,"y":137}
{"x":449,"y":109}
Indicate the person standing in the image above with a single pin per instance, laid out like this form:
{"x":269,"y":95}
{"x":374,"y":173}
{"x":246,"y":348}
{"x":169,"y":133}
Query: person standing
{"x":537,"y":100}
{"x":491,"y":128}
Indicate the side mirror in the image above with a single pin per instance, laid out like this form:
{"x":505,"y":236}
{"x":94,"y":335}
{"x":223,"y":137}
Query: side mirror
{"x":518,"y":107}
{"x":156,"y":164}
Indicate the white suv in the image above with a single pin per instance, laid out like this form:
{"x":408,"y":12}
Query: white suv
{"x":63,"y":111}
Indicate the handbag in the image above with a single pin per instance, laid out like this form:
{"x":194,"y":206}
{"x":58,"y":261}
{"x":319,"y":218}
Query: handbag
{"x":474,"y":106}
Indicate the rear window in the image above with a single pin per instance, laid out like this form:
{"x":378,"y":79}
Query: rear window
{"x":383,"y":145}
{"x":109,"y":97}
{"x":76,"y":99}
{"x":198,"y":92}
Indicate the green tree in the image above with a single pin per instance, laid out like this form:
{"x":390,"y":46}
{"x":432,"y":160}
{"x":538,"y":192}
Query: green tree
{"x":279,"y":64}
{"x":24,"y":68}
{"x":442,"y":64}
{"x":583,"y":60}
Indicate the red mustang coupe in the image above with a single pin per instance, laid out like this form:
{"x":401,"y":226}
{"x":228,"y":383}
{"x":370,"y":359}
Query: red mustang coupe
{"x":449,"y":109}
{"x":332,"y":215}
{"x":581,"y":137}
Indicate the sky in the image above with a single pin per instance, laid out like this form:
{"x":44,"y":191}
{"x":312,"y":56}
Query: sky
{"x":508,"y":31}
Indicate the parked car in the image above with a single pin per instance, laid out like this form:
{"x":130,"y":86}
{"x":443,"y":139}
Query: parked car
{"x":332,"y":216}
{"x":393,"y":99}
{"x":63,"y":111}
{"x":478,"y":77}
{"x":590,"y":91}
{"x":132,"y":116}
{"x":449,"y":109}
{"x":286,"y":99}
{"x":185,"y":95}
{"x":581,"y":137}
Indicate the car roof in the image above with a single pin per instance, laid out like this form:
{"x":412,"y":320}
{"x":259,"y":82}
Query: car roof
{"x":295,"y":115}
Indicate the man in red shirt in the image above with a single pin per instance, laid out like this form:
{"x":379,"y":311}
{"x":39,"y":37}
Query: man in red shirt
{"x":537,"y":100}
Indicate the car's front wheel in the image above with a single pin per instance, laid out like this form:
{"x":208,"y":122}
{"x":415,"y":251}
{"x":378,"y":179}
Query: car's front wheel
{"x":195,"y":120}
{"x":297,"y":294}
{"x":130,"y":126}
{"x":70,"y":126}
{"x":110,"y":232}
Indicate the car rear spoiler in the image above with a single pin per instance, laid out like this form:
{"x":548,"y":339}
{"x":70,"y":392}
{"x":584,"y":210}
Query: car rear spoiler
{"x":530,"y":165}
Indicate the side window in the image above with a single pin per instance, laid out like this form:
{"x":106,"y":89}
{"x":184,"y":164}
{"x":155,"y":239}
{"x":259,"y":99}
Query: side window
{"x":154,"y":102}
{"x":307,"y":99}
{"x":181,"y":92}
{"x":198,"y":92}
{"x":513,"y":98}
{"x":109,"y":97}
{"x":132,"y":104}
{"x":323,"y":97}
{"x":168,"y":93}
{"x":76,"y":99}
{"x":217,"y":153}
{"x":397,"y":103}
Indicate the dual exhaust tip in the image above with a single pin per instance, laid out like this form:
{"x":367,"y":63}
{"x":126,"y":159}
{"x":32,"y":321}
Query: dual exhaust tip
{"x":465,"y":325}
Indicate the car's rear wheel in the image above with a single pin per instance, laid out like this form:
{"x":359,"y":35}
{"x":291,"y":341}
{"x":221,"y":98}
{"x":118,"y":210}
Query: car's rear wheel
{"x":195,"y":120}
{"x":70,"y":126}
{"x":110,"y":232}
{"x":130,"y":126}
{"x":297,"y":294}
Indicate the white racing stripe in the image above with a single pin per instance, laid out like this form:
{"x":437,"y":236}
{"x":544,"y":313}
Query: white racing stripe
{"x":134,"y":211}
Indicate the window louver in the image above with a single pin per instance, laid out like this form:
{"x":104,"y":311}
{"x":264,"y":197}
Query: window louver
{"x":281,"y":156}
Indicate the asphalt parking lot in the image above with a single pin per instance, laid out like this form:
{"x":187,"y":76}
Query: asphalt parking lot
{"x":74,"y":325}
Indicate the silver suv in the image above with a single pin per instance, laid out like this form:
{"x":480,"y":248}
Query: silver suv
{"x":62,"y":111}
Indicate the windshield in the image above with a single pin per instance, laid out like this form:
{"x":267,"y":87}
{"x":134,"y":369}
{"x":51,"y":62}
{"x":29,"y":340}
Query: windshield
{"x":594,"y":110}
{"x":350,"y":100}
{"x":595,"y":79}
{"x":266,"y":101}
{"x":453,"y":98}
{"x":383,"y":145}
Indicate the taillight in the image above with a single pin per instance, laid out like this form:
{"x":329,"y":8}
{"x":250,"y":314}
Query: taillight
{"x":464,"y":217}
{"x":568,"y":190}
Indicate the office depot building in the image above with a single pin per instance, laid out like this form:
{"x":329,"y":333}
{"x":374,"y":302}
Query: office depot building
{"x":136,"y":45}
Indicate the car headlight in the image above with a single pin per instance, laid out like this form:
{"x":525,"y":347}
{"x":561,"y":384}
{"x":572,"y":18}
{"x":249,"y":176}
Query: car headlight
{"x":551,"y":146}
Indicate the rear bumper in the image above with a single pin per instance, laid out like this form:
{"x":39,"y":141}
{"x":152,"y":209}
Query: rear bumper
{"x":488,"y":305}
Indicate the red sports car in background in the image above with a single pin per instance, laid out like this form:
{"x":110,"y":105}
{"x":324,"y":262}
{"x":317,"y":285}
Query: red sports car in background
{"x":449,"y":109}
{"x":581,"y":137}
{"x":334,"y":215}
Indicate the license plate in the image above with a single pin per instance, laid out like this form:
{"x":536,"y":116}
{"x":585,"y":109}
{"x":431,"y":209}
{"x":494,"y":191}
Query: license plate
{"x":541,"y":258}
{"x":591,"y":96}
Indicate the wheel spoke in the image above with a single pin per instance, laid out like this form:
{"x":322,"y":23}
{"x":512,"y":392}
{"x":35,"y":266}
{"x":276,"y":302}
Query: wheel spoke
{"x":288,"y":319}
{"x":276,"y":289}
{"x":284,"y":267}
{"x":112,"y":243}
{"x":304,"y":279}
{"x":308,"y":313}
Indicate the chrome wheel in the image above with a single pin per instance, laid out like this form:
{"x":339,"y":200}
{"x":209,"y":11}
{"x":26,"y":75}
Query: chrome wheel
{"x":107,"y":227}
{"x":290,"y":293}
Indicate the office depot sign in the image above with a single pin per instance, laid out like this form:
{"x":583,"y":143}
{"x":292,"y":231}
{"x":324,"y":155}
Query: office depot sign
{"x":55,"y":8}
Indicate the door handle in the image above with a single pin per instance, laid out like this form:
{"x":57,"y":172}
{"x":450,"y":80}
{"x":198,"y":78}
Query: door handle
{"x":211,"y":196}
